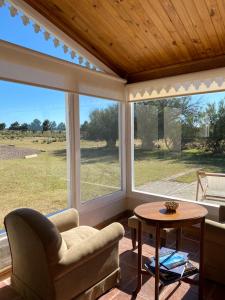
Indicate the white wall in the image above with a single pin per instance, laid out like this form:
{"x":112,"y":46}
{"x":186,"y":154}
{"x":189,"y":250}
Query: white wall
{"x":92,"y":214}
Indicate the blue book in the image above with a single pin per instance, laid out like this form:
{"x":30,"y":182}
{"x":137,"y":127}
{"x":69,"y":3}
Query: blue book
{"x":171,"y":260}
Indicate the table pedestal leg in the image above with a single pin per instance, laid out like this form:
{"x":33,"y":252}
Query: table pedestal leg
{"x":139,"y":279}
{"x":178,"y":238}
{"x":201,"y":262}
{"x":157,"y":245}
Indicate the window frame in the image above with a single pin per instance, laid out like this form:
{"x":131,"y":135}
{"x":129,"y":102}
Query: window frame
{"x":137,"y":196}
{"x":73,"y":104}
{"x":73,"y":80}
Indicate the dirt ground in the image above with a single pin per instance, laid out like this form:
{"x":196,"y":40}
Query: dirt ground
{"x":12,"y":152}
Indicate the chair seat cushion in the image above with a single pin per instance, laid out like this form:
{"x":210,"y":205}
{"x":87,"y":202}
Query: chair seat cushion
{"x":76,"y":235}
{"x":133,"y":223}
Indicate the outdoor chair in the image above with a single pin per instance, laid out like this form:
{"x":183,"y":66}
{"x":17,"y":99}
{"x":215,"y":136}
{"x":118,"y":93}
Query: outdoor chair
{"x":212,"y":185}
{"x":56,"y":258}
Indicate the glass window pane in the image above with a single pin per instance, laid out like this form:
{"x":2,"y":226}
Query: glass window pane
{"x":33,"y":169}
{"x":174,"y":138}
{"x":100,"y":147}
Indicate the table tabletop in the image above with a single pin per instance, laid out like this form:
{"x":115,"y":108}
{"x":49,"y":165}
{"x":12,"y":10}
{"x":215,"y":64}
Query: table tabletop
{"x":155,"y":212}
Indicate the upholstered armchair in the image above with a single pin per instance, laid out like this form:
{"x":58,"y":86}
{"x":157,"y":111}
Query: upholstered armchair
{"x":56,"y":258}
{"x":214,"y":251}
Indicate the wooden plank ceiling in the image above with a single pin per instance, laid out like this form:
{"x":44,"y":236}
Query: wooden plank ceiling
{"x":144,"y":39}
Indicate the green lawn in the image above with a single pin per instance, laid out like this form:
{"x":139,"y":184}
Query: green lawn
{"x":155,"y":165}
{"x":100,"y":170}
{"x":38,"y":182}
{"x":41,"y":182}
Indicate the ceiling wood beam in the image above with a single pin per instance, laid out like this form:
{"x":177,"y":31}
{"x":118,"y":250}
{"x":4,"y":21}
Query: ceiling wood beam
{"x":178,"y":69}
{"x":141,"y":41}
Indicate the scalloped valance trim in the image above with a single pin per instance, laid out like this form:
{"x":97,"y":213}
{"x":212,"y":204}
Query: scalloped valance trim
{"x":75,"y":54}
{"x":187,"y":84}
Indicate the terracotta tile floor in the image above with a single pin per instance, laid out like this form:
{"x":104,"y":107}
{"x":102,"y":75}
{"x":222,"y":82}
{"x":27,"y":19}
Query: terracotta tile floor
{"x":128,"y":262}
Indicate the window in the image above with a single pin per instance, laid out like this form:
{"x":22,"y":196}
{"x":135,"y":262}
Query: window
{"x":33,"y":170}
{"x":173,"y":139}
{"x":100,"y":147}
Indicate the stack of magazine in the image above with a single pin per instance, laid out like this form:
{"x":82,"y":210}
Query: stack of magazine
{"x":174,"y":265}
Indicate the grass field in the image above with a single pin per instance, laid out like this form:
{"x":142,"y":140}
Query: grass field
{"x":155,"y":165}
{"x":41,"y":182}
{"x":100,"y":170}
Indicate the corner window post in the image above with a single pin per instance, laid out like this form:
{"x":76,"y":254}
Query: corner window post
{"x":73,"y":149}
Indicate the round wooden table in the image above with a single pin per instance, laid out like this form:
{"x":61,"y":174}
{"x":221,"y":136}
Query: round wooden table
{"x":155,"y":214}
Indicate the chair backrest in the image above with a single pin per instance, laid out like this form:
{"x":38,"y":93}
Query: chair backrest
{"x":35,"y":246}
{"x":216,"y":183}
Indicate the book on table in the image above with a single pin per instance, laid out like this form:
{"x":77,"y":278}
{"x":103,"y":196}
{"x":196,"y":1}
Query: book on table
{"x":173,"y":264}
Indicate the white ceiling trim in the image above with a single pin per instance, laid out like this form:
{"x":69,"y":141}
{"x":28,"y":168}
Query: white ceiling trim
{"x":187,"y":84}
{"x":59,"y":38}
{"x":19,"y":64}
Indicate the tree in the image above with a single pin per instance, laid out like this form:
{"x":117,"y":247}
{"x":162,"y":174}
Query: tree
{"x":53,"y":125}
{"x":147,"y":124}
{"x":84,"y":126}
{"x":14,"y":126}
{"x":216,"y":117}
{"x":166,"y":119}
{"x":2,"y":126}
{"x":24,"y":127}
{"x":35,"y":125}
{"x":103,"y":125}
{"x":46,"y":125}
{"x":61,"y":126}
{"x":84,"y":130}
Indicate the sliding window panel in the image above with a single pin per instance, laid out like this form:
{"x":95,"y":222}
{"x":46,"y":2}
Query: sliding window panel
{"x":173,"y":139}
{"x":100,"y":167}
{"x":33,"y":149}
{"x":33,"y":153}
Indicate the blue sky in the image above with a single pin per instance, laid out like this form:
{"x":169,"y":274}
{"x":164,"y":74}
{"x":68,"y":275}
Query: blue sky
{"x":24,"y":103}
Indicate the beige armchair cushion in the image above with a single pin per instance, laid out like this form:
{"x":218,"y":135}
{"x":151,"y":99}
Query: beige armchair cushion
{"x":65,"y":220}
{"x":61,"y":263}
{"x":214,"y":248}
{"x":44,"y":230}
{"x":93,"y":260}
{"x":214,"y":251}
{"x":76,"y":235}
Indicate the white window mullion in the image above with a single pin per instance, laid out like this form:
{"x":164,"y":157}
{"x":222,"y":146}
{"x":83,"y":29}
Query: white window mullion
{"x":129,"y":148}
{"x":122,"y":144}
{"x":73,"y":150}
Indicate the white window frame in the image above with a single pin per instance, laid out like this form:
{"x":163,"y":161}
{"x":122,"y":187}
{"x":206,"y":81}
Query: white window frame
{"x":137,"y":196}
{"x":73,"y":157}
{"x":41,"y":70}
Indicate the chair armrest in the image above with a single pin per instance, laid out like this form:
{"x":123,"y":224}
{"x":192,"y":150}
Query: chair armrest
{"x":66,"y":219}
{"x":215,"y":232}
{"x":89,"y":248}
